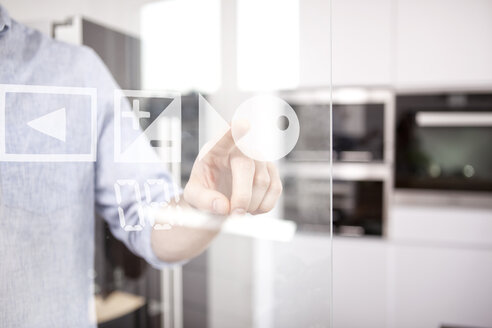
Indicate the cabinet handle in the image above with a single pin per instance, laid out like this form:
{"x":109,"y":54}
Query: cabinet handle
{"x":454,"y":119}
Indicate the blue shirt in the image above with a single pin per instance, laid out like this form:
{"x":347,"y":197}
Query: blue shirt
{"x":47,"y":209}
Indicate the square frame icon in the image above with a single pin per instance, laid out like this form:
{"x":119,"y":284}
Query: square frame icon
{"x":91,"y":156}
{"x":169,"y":121}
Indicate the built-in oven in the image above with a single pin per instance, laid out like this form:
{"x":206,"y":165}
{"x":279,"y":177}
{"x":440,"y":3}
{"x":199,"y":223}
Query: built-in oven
{"x":361,"y":123}
{"x":362,"y":161}
{"x":358,"y":205}
{"x":443,"y":141}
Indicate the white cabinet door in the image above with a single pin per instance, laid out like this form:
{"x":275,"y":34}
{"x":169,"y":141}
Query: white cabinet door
{"x":362,"y":42}
{"x":360,"y":47}
{"x":443,"y":43}
{"x":453,"y":226}
{"x":314,"y":43}
{"x":437,"y":286}
{"x":359,"y":283}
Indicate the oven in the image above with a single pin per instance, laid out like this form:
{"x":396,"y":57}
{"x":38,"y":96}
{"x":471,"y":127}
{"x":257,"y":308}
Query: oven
{"x":443,"y":141}
{"x":361,"y":125}
{"x":362,"y":161}
{"x":358,"y":205}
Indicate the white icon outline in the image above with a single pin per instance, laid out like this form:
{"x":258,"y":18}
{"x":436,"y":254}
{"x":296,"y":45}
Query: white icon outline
{"x":254,"y":149}
{"x":55,"y":90}
{"x":146,"y":210}
{"x":138,"y":200}
{"x":118,"y":115}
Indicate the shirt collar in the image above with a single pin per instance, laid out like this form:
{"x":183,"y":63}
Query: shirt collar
{"x":4,"y":19}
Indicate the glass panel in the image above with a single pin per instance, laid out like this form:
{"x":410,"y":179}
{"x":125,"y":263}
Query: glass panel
{"x":128,"y":140}
{"x":168,"y":164}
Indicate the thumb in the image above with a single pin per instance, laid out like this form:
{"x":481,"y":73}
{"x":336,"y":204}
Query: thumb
{"x":205,"y":199}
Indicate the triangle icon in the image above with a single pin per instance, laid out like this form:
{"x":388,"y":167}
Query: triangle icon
{"x":211,"y":126}
{"x":53,"y":124}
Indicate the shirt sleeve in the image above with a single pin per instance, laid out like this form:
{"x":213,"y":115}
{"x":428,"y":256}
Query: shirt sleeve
{"x":120,"y":190}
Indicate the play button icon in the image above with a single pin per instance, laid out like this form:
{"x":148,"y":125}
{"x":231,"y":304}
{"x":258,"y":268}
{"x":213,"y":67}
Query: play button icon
{"x":53,"y":124}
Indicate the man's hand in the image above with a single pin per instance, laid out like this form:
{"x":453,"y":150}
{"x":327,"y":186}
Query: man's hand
{"x":225,"y":181}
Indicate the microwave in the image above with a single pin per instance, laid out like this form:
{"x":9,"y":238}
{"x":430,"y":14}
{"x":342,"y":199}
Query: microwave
{"x":443,"y":141}
{"x":361,"y":125}
{"x":358,"y":205}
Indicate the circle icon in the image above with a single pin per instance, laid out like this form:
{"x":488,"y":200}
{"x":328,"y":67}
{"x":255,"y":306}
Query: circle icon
{"x":273,"y":128}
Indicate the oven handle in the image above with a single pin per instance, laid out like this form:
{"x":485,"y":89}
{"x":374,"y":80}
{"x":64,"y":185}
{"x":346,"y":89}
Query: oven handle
{"x":454,"y":119}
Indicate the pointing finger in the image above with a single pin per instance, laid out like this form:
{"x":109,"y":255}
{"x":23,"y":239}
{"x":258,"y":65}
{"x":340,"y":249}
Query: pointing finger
{"x":227,"y":142}
{"x":261,"y":183}
{"x":274,"y":191}
{"x":243,"y":171}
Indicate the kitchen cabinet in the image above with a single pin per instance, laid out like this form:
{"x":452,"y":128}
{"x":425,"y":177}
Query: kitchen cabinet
{"x":408,"y":44}
{"x":362,"y":42}
{"x":440,"y":261}
{"x":381,"y":283}
{"x":439,"y":286}
{"x":376,"y":283}
{"x":447,"y":225}
{"x":314,"y":43}
{"x":443,"y":43}
{"x":359,"y":282}
{"x":230,"y":282}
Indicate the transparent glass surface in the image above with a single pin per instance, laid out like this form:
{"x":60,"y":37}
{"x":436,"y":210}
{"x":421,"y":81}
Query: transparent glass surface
{"x":168,"y":164}
{"x":144,"y":145}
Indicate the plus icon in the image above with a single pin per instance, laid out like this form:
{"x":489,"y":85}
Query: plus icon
{"x":136,"y":114}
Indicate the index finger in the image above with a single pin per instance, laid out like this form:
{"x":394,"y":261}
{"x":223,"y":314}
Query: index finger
{"x":225,"y":143}
{"x":228,"y":141}
{"x":243,"y":172}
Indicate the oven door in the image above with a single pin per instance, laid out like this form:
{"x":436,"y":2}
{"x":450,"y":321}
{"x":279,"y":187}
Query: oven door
{"x":358,"y":133}
{"x":361,"y":125}
{"x":444,"y":150}
{"x":357,"y":205}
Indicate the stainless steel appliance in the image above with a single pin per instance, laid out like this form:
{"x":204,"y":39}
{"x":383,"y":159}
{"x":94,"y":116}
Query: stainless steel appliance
{"x":360,"y":125}
{"x":357,"y":205}
{"x":443,"y":141}
{"x":362,"y":155}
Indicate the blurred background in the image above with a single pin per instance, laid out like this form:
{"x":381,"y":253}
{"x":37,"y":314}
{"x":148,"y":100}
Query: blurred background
{"x":409,"y":83}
